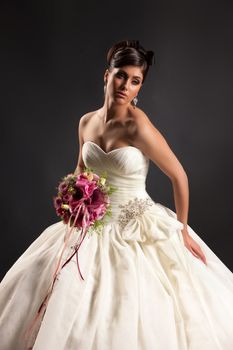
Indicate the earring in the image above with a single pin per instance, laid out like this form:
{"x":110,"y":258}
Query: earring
{"x":135,"y":100}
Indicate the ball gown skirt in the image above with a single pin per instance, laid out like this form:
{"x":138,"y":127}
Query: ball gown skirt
{"x":142,"y":288}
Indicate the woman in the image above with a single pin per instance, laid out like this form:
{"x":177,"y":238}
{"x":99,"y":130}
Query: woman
{"x":150,"y":281}
{"x":118,"y":124}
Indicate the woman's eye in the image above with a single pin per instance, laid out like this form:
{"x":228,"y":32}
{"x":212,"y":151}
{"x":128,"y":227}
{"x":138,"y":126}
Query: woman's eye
{"x":136,"y":82}
{"x":119,"y":75}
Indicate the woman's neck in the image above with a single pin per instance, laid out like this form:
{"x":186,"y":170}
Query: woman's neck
{"x":111,"y":110}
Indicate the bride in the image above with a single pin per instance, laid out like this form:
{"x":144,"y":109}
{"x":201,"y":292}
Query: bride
{"x":150,"y":281}
{"x":118,"y":124}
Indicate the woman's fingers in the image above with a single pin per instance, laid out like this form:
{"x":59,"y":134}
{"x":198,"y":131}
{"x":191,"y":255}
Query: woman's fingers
{"x":202,"y":255}
{"x":194,"y":253}
{"x":195,"y":249}
{"x":199,"y":253}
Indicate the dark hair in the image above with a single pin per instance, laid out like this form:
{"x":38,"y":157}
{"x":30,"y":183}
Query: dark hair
{"x":130,"y":52}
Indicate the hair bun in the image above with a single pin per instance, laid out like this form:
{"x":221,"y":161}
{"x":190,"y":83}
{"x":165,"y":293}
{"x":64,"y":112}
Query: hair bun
{"x":150,"y":57}
{"x":133,"y":43}
{"x":123,"y":47}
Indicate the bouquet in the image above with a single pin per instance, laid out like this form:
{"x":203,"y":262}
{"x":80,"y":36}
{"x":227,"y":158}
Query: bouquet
{"x":83,"y":203}
{"x":83,"y":200}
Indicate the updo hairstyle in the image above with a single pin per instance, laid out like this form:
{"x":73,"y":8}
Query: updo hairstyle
{"x":130,"y":52}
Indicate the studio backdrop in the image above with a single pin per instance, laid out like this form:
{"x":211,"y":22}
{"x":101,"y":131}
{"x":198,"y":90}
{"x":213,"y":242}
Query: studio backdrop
{"x":53,"y":58}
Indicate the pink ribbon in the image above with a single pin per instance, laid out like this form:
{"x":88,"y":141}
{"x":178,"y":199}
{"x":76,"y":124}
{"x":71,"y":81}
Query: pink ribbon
{"x":41,"y":311}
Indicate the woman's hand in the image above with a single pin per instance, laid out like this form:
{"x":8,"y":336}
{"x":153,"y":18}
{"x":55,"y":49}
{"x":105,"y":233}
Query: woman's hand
{"x":193,"y":246}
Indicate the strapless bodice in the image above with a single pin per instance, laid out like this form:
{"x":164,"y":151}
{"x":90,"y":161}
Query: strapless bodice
{"x":126,"y":169}
{"x":127,"y":165}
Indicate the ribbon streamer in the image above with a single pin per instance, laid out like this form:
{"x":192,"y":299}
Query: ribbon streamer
{"x":41,"y":311}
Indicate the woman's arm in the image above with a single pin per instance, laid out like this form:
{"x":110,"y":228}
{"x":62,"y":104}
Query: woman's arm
{"x":80,"y":164}
{"x":181,"y":198}
{"x":155,"y":147}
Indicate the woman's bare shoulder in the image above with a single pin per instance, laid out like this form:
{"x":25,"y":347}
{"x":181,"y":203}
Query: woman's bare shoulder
{"x":85,"y":118}
{"x":141,"y":118}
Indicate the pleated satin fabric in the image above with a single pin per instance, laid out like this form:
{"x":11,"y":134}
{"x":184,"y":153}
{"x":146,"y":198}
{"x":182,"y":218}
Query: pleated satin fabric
{"x":142,"y":288}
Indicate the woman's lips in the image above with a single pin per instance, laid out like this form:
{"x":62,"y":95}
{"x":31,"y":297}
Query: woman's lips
{"x":120,"y":94}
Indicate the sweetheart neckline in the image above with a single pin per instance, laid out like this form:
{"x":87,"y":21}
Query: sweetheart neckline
{"x":116,"y":149}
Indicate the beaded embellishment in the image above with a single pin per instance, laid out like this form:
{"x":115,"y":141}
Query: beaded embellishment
{"x":132,"y":209}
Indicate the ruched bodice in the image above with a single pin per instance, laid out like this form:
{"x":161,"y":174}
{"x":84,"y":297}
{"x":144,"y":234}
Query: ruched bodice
{"x":127,"y":166}
{"x":126,"y":169}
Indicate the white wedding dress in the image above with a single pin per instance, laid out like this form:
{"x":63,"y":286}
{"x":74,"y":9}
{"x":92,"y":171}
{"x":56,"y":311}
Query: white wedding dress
{"x":142,"y":288}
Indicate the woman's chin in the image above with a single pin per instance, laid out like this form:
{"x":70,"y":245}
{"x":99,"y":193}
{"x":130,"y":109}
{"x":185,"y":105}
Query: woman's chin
{"x":120,"y":101}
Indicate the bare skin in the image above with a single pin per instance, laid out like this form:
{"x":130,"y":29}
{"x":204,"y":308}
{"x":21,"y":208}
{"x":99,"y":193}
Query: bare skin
{"x":117,"y":124}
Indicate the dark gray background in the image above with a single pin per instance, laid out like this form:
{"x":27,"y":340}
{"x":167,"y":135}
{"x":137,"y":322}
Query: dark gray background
{"x":52,"y":63}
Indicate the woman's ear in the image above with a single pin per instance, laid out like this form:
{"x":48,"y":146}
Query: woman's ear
{"x":106,"y":76}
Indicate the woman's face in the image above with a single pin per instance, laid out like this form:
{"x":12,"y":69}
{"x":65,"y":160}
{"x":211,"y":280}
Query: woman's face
{"x":123,"y":84}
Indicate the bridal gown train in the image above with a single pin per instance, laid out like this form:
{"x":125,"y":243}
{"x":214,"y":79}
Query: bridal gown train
{"x":142,"y":288}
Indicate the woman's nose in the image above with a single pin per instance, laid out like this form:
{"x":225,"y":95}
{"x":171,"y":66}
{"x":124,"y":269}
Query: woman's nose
{"x":125,"y":84}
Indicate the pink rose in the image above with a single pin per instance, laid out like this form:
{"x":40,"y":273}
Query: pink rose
{"x":98,"y":212}
{"x":67,"y":198}
{"x":63,"y":187}
{"x":60,"y":211}
{"x":87,"y":186}
{"x":57,"y":202}
{"x":96,"y":205}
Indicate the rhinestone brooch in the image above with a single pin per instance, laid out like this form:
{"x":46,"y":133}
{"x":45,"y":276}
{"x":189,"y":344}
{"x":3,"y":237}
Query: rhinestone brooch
{"x":132,"y":209}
